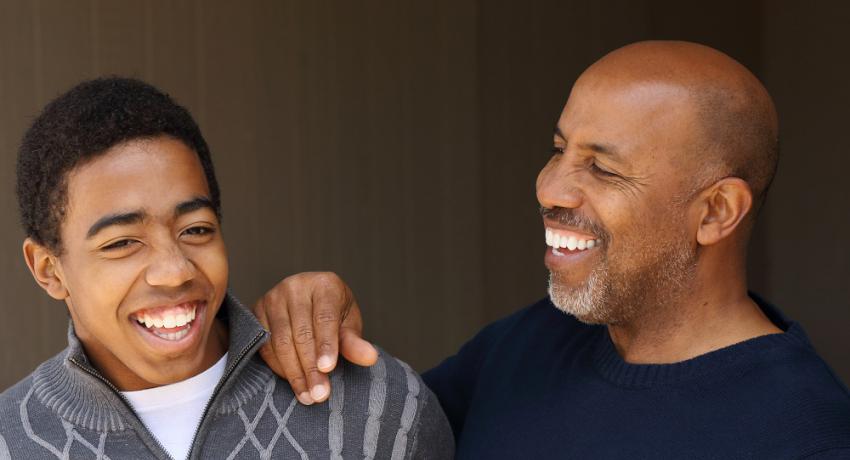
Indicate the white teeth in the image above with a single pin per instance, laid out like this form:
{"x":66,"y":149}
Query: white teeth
{"x":180,"y":320}
{"x":557,"y":252}
{"x":556,"y":241}
{"x":168,"y":319}
{"x":173,"y":336}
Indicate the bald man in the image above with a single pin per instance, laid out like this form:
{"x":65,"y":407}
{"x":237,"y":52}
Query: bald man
{"x":661,"y":159}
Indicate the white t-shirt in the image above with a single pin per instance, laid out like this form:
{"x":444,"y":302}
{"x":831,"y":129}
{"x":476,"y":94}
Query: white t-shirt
{"x":173,"y":412}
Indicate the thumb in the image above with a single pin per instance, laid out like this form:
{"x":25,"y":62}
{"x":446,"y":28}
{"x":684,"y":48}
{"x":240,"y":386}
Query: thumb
{"x":351,"y":343}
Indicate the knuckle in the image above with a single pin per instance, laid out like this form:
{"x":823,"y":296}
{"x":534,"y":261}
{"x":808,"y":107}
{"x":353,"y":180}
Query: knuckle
{"x":271,"y":297}
{"x":326,"y":347}
{"x":330,"y":289}
{"x":326,"y":279}
{"x":303,"y":334}
{"x":290,"y":289}
{"x":326,"y":316}
{"x":282,"y":342}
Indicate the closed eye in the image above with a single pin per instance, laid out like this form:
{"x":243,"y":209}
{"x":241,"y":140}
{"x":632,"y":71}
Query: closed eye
{"x":120,"y":244}
{"x":602,"y":172}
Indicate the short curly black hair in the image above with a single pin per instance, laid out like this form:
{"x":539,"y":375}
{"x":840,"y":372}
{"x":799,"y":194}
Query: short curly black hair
{"x":84,"y":123}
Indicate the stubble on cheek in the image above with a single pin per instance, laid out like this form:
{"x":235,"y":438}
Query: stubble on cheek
{"x":616,"y":294}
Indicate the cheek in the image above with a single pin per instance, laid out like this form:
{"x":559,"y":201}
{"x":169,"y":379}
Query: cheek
{"x":211,"y":261}
{"x":103,"y":297}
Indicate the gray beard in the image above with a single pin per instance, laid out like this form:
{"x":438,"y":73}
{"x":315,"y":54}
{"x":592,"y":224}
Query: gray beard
{"x":616,"y":297}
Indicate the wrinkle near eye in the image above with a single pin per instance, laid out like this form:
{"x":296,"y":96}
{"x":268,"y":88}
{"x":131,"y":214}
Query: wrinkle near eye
{"x":631,"y":186}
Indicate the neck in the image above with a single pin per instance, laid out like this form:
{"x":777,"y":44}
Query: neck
{"x":709,"y":314}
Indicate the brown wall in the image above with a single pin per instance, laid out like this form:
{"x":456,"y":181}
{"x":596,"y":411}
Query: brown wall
{"x":397,"y":144}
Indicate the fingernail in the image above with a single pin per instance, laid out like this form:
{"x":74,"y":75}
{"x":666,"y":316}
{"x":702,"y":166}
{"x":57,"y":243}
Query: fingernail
{"x":318,"y":392}
{"x":325,"y":362}
{"x":305,"y":398}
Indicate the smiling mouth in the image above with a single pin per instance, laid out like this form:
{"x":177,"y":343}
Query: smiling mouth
{"x":171,"y":323}
{"x":560,"y":239}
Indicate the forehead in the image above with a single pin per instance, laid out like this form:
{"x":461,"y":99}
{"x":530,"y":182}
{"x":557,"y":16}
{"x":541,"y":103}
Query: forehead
{"x":642,"y":120}
{"x":150,"y":174}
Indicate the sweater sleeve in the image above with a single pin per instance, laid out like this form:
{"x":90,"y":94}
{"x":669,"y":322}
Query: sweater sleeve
{"x":4,"y":450}
{"x":433,"y":439}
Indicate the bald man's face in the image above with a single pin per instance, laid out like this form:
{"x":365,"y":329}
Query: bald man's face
{"x":615,"y":198}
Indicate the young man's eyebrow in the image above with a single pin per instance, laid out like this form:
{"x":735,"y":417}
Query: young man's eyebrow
{"x":126,"y":218}
{"x":193,"y":205}
{"x":134,"y":217}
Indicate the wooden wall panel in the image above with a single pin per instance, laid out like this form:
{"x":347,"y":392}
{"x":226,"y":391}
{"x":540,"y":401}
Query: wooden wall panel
{"x":344,"y":138}
{"x":397,"y":143}
{"x":807,"y":211}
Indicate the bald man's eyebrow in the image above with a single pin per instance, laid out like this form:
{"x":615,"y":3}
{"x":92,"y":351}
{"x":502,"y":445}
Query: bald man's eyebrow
{"x":559,"y":133}
{"x":600,"y":148}
{"x":192,"y":205}
{"x":127,"y":218}
{"x":603,"y":149}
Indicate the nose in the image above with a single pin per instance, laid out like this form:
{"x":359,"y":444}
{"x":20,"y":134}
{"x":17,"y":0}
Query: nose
{"x":170,"y":268}
{"x":557,"y":185}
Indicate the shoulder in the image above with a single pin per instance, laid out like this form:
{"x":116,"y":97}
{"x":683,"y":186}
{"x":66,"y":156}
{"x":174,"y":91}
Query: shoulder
{"x":11,"y":398}
{"x":801,"y":402}
{"x":399,"y":414}
{"x":10,"y":414}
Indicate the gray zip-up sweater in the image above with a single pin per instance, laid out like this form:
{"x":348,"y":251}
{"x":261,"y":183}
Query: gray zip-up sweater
{"x":66,"y":409}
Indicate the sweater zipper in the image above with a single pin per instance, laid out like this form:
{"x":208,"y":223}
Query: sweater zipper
{"x":224,"y":378}
{"x":126,"y":402}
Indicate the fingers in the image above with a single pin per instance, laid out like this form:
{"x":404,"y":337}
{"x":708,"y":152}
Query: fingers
{"x":331,"y":303}
{"x":300,"y":300}
{"x":267,"y":351}
{"x":283,"y":357}
{"x":312,"y":317}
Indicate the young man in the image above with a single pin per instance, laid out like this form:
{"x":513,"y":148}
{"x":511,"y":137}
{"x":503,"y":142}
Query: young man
{"x":121,"y":208}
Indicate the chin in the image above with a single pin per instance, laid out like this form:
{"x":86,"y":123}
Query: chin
{"x":584,"y":302}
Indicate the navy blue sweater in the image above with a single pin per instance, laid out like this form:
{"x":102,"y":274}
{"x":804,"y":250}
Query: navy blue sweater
{"x":540,"y":384}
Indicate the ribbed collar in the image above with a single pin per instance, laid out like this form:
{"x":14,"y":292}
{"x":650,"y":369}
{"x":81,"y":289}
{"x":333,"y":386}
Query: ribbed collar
{"x":73,"y":388}
{"x":612,"y":367}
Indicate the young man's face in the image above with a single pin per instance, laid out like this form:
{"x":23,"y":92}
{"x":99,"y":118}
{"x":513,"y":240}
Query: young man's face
{"x":144,"y":265}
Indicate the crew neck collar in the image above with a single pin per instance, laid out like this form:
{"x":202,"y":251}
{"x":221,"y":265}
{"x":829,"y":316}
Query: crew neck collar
{"x":612,"y":367}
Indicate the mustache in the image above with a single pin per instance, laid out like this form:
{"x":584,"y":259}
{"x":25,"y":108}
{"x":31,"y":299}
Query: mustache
{"x":572,"y":218}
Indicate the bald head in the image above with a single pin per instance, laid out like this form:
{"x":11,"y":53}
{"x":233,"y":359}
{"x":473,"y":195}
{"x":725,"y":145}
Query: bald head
{"x":736,"y":119}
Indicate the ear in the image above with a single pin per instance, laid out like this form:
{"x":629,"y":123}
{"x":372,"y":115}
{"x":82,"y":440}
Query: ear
{"x":724,"y":205}
{"x":44,"y":268}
